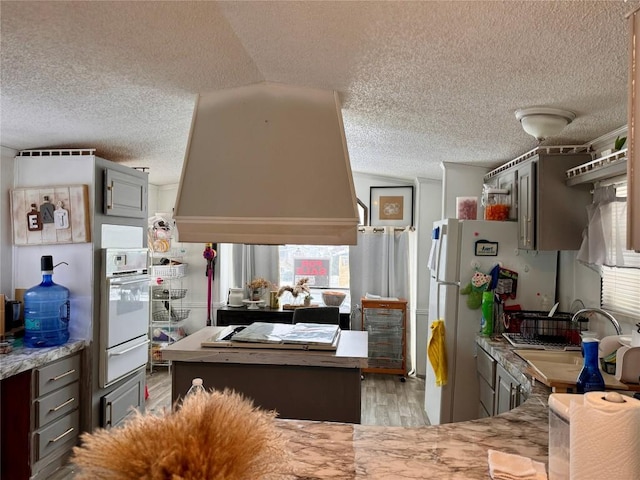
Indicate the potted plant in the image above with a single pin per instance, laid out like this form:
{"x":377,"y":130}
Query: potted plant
{"x":299,"y":289}
{"x":617,"y":146}
{"x":257,"y":287}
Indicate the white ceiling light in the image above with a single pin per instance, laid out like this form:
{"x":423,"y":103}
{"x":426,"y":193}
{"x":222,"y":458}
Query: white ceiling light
{"x":544,"y":122}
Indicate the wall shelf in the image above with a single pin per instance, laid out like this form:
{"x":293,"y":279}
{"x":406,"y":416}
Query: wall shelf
{"x":602,"y":168}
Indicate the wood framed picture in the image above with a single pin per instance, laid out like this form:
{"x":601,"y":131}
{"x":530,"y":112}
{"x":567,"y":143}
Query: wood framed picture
{"x":391,"y":206}
{"x":50,"y":215}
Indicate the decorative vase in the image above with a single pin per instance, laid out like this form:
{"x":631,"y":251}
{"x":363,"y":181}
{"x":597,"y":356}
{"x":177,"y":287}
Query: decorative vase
{"x":307,"y":301}
{"x":273,"y":300}
{"x":256,"y":294}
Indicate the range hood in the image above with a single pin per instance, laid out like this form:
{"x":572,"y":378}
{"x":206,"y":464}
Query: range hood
{"x":267,"y":164}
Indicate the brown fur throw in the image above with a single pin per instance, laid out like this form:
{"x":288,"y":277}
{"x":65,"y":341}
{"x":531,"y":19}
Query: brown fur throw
{"x":214,"y":435}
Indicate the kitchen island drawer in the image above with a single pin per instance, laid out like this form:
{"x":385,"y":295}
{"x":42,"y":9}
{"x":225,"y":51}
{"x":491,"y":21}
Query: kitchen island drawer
{"x":56,"y":404}
{"x":63,"y":432}
{"x":56,"y":375}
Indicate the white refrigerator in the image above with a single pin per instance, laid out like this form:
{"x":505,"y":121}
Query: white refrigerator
{"x":459,"y":248}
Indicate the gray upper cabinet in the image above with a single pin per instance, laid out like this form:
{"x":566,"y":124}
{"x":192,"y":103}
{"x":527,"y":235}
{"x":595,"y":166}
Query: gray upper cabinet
{"x":125,"y":194}
{"x":560,"y":210}
{"x":550,"y":214}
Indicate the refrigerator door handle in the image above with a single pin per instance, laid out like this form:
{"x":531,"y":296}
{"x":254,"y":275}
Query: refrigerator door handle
{"x":440,"y":241}
{"x":438,"y":286}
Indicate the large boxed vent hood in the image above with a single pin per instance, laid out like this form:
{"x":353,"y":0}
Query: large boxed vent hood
{"x":267,"y":164}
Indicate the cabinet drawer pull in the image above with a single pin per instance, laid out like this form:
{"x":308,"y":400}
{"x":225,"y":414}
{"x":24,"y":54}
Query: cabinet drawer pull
{"x":62,"y":405}
{"x":55,"y":379}
{"x":62,"y":435}
{"x":110,"y":199}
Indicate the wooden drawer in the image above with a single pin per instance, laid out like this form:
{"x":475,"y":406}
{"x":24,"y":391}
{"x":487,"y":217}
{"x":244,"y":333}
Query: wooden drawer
{"x":487,"y":367}
{"x":63,"y":432}
{"x":56,"y":375}
{"x":56,"y":404}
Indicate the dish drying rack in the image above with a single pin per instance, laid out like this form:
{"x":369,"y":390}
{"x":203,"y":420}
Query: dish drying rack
{"x":536,"y":330}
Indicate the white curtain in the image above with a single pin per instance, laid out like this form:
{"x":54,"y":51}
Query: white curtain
{"x":380,"y":265}
{"x":603,"y":241}
{"x":251,"y":261}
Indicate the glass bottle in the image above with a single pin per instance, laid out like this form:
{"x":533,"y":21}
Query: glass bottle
{"x":46,"y":310}
{"x":196,"y":387}
{"x":590,"y":379}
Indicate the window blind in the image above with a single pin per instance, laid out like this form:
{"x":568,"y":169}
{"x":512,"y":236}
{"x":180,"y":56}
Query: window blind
{"x":621,"y":285}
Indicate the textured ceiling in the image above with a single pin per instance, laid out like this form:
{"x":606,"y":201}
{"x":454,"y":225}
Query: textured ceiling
{"x":420,"y":82}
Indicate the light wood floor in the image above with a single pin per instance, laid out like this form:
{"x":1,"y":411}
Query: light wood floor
{"x":386,"y":401}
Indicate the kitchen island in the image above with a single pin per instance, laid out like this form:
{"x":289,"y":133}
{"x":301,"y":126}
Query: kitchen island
{"x":328,"y":450}
{"x":298,"y":384}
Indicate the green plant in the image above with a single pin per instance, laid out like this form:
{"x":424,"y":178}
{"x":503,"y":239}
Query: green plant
{"x":619,"y":143}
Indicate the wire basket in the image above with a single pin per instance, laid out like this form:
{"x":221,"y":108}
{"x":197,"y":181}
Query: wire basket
{"x":169,"y":271}
{"x":160,"y":293}
{"x":171,"y":315}
{"x":538,"y":327}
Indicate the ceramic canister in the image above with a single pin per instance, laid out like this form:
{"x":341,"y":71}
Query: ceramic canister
{"x":235,"y":297}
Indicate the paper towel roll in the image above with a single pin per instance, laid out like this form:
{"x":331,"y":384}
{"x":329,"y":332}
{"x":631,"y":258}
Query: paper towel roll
{"x":604,"y":438}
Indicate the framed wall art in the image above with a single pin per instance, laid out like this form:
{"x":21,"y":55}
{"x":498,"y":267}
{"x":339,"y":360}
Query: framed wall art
{"x":50,"y":215}
{"x":391,"y":206}
{"x":363,"y":213}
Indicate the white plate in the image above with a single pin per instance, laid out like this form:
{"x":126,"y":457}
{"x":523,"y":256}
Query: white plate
{"x":625,"y":340}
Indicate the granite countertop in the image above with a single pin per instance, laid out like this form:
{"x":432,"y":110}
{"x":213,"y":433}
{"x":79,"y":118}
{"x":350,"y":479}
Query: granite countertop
{"x":324,"y":450}
{"x":21,"y":359}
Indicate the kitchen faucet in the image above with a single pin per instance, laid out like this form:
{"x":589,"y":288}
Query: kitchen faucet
{"x":604,"y":313}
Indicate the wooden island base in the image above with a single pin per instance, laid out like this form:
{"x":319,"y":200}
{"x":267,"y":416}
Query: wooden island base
{"x":305,"y":393}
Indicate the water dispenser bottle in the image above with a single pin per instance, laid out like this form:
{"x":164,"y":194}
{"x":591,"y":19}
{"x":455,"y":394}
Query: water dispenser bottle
{"x":46,"y":310}
{"x":197,"y":387}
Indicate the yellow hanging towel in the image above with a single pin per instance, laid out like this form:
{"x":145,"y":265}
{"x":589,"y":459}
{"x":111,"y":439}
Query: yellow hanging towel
{"x":437,"y":352}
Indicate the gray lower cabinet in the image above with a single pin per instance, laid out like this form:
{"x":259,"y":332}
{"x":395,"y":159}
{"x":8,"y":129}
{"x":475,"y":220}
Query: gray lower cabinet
{"x":56,"y":426}
{"x":40,"y":418}
{"x":508,"y":390}
{"x":499,"y":391}
{"x":486,"y":381}
{"x":117,"y":406}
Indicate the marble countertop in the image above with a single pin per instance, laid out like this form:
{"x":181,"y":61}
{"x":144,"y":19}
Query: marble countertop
{"x":323,"y":450}
{"x":21,"y":359}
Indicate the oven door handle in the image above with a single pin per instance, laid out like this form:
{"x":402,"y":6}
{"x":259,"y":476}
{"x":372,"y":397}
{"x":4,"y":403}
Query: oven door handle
{"x":129,"y":281}
{"x":115,"y":354}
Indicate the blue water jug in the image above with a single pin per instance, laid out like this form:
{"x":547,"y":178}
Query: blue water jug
{"x":46,"y":310}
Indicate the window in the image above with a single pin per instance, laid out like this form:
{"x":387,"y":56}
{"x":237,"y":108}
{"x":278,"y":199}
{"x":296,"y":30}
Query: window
{"x":326,"y":266}
{"x":620,"y":285}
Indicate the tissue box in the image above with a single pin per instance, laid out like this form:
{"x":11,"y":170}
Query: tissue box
{"x":559,"y":434}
